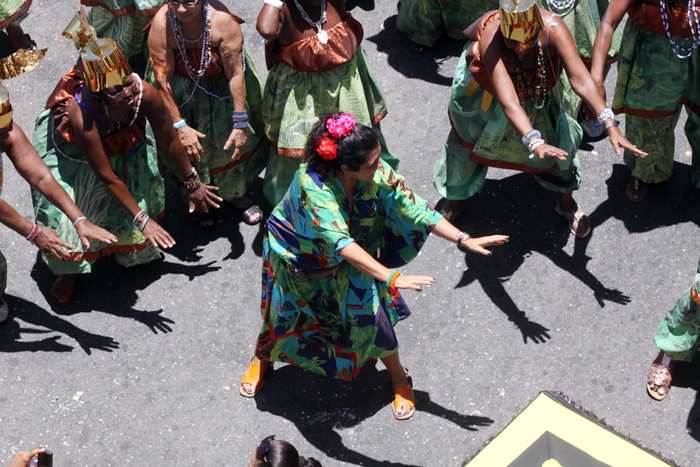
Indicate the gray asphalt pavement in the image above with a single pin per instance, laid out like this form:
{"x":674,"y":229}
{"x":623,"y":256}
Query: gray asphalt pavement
{"x":144,"y":367}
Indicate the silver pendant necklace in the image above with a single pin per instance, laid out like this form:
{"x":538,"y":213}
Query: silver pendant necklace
{"x":320,"y":33}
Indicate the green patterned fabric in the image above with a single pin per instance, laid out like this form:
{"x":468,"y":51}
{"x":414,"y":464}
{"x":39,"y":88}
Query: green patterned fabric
{"x":209,"y":112}
{"x":678,"y":333}
{"x":3,"y":274}
{"x":489,"y":134}
{"x":8,"y":8}
{"x":138,"y":170}
{"x":424,"y":21}
{"x":332,"y":325}
{"x":652,"y":86}
{"x":126,"y":30}
{"x":293,"y":100}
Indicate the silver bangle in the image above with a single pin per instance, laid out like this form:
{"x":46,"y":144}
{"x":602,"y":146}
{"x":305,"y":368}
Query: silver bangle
{"x":138,"y":216}
{"x":144,"y":221}
{"x":611,"y":124}
{"x":534,"y":143}
{"x":79,"y":220}
{"x":605,"y":114}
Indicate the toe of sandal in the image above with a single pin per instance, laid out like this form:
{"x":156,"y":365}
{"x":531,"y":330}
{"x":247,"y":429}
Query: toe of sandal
{"x":254,"y":377}
{"x":658,"y":381}
{"x":404,"y":405}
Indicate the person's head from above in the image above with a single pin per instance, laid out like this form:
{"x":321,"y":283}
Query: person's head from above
{"x":278,"y":453}
{"x":521,"y":24}
{"x":186,"y":10}
{"x":5,"y":113}
{"x":123,"y":94}
{"x":350,"y":149}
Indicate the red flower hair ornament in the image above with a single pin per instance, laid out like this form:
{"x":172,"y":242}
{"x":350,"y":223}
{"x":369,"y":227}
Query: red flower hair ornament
{"x":337,"y":128}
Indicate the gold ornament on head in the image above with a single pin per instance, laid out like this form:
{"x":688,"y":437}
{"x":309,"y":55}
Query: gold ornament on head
{"x":520,"y":19}
{"x":5,"y":107}
{"x":105,"y":65}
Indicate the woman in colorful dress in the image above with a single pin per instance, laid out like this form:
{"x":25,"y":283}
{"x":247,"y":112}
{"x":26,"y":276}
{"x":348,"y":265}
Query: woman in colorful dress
{"x":97,"y":134}
{"x":678,"y":338}
{"x":14,"y":143}
{"x":506,"y":112}
{"x":316,"y":65}
{"x":329,"y":297}
{"x":123,"y":21}
{"x":213,"y":95}
{"x":657,"y":74}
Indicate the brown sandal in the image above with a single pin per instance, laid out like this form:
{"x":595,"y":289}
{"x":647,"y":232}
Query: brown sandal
{"x":637,"y":190}
{"x":658,"y":381}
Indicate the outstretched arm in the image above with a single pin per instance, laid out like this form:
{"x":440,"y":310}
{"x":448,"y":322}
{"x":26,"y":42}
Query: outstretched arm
{"x":444,"y":229}
{"x":603,"y":39}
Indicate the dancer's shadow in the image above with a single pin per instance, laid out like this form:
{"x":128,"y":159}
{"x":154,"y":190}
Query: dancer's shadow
{"x":519,"y":207}
{"x":424,"y":66}
{"x":112,"y":289}
{"x":687,"y":375}
{"x":191,"y":238}
{"x":12,"y":331}
{"x":669,"y":203}
{"x":319,"y":406}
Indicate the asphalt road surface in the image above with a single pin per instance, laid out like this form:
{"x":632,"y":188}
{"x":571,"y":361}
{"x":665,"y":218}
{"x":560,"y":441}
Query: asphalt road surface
{"x":144,"y":367}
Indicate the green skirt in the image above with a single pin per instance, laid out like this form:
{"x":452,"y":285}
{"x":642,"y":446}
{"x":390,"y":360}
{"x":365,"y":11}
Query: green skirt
{"x":138,"y":169}
{"x":125,"y":29}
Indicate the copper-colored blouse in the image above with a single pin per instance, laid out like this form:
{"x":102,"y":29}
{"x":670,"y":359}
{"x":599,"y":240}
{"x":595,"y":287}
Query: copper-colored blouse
{"x":62,"y":97}
{"x":310,"y":54}
{"x":648,"y":16}
{"x":478,"y":69}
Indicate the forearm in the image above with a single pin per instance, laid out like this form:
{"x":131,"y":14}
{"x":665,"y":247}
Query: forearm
{"x":238,"y":92}
{"x":588,"y":91}
{"x":444,"y":229}
{"x":363,"y":261}
{"x":52,"y":191}
{"x":166,"y":93}
{"x":12,"y":219}
{"x":601,"y":47}
{"x":517,"y":117}
{"x":118,"y":190}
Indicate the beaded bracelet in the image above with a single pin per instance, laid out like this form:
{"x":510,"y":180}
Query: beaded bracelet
{"x":275,"y":3}
{"x":179,"y":123}
{"x":534,"y":143}
{"x":391,"y":281}
{"x":79,"y":220}
{"x":32,"y":235}
{"x":605,"y":114}
{"x":462,"y":237}
{"x":529,"y":135}
{"x":240,"y":119}
{"x":192,"y":183}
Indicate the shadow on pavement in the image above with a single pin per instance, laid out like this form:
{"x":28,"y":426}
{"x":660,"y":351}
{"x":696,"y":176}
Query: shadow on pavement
{"x":687,"y":375}
{"x":424,"y":66}
{"x":319,"y":406}
{"x":519,"y":207}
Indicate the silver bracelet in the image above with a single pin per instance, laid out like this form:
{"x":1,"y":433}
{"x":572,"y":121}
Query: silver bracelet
{"x":79,"y":220}
{"x":534,"y":143}
{"x":144,"y":221}
{"x":605,"y":114}
{"x":611,"y":124}
{"x":138,"y":216}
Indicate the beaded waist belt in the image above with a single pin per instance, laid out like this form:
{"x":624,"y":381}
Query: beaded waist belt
{"x":311,"y":274}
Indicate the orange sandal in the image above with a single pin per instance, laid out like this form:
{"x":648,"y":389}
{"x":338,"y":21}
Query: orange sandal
{"x":254,"y":376}
{"x":403,"y":396}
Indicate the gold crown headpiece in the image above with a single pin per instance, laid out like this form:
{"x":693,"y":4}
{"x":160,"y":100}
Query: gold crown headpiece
{"x":5,"y":107}
{"x":105,"y":65}
{"x":520,"y":19}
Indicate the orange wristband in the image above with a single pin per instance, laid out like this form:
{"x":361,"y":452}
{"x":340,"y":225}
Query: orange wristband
{"x":392,"y":280}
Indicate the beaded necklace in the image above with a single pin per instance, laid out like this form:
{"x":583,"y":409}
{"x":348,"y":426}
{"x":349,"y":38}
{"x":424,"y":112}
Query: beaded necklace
{"x":205,"y":59}
{"x":694,"y":23}
{"x":320,"y":33}
{"x":557,"y":6}
{"x":523,"y":82}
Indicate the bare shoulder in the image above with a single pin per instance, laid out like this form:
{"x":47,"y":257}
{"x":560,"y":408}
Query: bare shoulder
{"x":223,"y":22}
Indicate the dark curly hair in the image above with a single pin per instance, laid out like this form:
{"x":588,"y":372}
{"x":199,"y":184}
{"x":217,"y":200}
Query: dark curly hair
{"x":352,"y":149}
{"x":278,"y":453}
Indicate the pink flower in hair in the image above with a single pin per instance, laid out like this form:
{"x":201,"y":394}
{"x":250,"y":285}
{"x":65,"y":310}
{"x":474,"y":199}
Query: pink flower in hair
{"x":341,"y":127}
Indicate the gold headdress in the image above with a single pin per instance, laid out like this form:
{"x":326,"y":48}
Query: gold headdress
{"x":520,"y":19}
{"x":5,"y":107}
{"x":12,"y":66}
{"x":105,"y":65}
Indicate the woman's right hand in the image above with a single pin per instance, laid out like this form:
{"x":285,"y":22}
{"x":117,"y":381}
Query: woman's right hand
{"x":547,"y":150}
{"x":48,"y":241}
{"x":479,"y":244}
{"x":189,"y":137}
{"x":157,"y":235}
{"x":413,"y":282}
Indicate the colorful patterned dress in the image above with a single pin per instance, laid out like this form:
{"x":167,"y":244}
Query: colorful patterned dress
{"x":132,"y":155}
{"x":482,"y":135}
{"x":678,"y":333}
{"x":123,"y":21}
{"x":3,"y":261}
{"x":306,"y":79}
{"x":319,"y":312}
{"x":424,"y":21}
{"x":207,"y":106}
{"x":653,"y":85}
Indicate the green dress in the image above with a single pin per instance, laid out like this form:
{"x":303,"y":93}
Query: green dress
{"x":133,"y":159}
{"x":319,"y":312}
{"x":12,"y":10}
{"x":678,"y":333}
{"x":424,"y":21}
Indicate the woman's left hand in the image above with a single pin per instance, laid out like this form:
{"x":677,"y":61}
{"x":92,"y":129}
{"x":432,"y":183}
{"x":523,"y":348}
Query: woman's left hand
{"x":237,"y":139}
{"x":618,"y":141}
{"x":203,"y":198}
{"x":479,"y":244}
{"x":88,"y":231}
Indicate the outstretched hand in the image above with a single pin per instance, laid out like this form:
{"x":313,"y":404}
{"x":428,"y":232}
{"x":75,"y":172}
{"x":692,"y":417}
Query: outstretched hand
{"x":189,"y":137}
{"x":237,"y":139}
{"x":157,"y":235}
{"x":88,"y":231}
{"x":479,"y":244}
{"x":203,"y":198}
{"x":547,"y":150}
{"x":413,"y":282}
{"x":23,"y":458}
{"x":618,"y":141}
{"x":48,"y":241}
